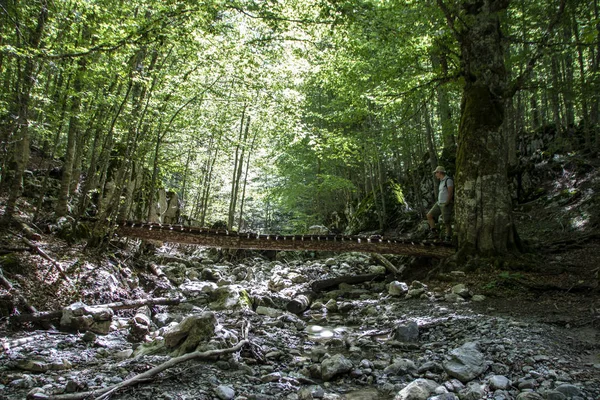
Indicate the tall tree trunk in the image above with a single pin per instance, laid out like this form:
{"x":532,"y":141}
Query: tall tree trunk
{"x":483,"y":201}
{"x":72,"y":135}
{"x":555,"y":99}
{"x":569,"y":80}
{"x":207,"y":186}
{"x":536,"y":122}
{"x":21,"y":151}
{"x":237,"y":169}
{"x":595,"y":73}
{"x":584,"y":89}
{"x":433,"y":158}
{"x":448,"y":156}
{"x":243,"y":198}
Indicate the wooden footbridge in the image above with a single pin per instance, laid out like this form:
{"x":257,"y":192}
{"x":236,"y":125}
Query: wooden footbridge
{"x":253,"y":241}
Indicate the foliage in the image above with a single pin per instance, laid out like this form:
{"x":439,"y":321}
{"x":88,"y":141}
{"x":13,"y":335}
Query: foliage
{"x":341,"y":100}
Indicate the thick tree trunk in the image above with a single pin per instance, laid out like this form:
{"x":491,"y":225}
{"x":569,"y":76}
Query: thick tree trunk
{"x":483,"y":201}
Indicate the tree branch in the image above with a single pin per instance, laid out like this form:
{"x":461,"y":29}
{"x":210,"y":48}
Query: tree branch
{"x":518,"y":83}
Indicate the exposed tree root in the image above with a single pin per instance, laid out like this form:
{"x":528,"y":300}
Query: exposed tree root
{"x":104,"y":393}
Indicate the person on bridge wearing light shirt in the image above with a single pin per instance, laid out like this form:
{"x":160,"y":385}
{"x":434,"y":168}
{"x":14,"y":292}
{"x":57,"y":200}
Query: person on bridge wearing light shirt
{"x":443,"y":206}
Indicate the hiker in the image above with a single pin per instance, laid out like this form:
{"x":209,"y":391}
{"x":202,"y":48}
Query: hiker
{"x":443,"y":206}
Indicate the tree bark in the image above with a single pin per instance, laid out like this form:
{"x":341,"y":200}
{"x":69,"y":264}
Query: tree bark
{"x":21,"y":151}
{"x":72,"y":135}
{"x":483,"y":202}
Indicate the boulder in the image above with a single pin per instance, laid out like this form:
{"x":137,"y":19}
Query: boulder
{"x":193,"y":330}
{"x":419,"y":389}
{"x":81,"y":317}
{"x":334,"y":366}
{"x":465,"y":363}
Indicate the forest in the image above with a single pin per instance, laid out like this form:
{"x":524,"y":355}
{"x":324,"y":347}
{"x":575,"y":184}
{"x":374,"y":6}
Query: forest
{"x":228,"y":199}
{"x":274,"y":116}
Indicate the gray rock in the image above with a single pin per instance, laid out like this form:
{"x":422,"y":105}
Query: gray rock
{"x":419,"y":389}
{"x":473,"y":391}
{"x":569,"y":390}
{"x":224,"y":392}
{"x":406,"y":332}
{"x":465,"y":363}
{"x":529,"y":396}
{"x":363,"y":394}
{"x":396,"y":288}
{"x":453,"y":298}
{"x":190,"y":332}
{"x":400,"y":367}
{"x":81,"y":317}
{"x":311,"y":392}
{"x":554,"y":395}
{"x":229,"y":298}
{"x":461,"y":290}
{"x":268,"y":311}
{"x":499,"y":382}
{"x":335,"y":365}
{"x":415,"y":293}
{"x":444,"y":396}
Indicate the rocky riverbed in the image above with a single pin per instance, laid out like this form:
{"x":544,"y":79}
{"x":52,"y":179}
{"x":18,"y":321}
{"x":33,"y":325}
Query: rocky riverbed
{"x":382,"y":339}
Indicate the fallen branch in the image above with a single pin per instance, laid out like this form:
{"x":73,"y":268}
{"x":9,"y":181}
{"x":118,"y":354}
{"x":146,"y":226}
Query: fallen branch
{"x":303,"y":300}
{"x":318,"y":286}
{"x":36,"y":316}
{"x":197,"y":355}
{"x":45,"y":255}
{"x":388,"y":265}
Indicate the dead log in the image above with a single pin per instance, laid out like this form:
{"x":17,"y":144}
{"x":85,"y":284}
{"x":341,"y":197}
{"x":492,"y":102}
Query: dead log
{"x":318,"y":286}
{"x":121,"y":305}
{"x":388,"y":265}
{"x":301,"y":302}
{"x":104,"y":393}
{"x":44,"y":255}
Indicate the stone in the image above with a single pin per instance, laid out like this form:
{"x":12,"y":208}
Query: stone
{"x":554,"y":395}
{"x":311,"y":392}
{"x":80,"y":317}
{"x":363,"y":394}
{"x":396,"y":288}
{"x":229,"y":298}
{"x":419,"y":389}
{"x":334,"y":366}
{"x":461,"y":290}
{"x":190,"y":332}
{"x":568,"y":390}
{"x":465,"y":363}
{"x":224,"y":392}
{"x":33,"y":365}
{"x":473,"y":391}
{"x":406,"y":332}
{"x":499,"y":382}
{"x":400,"y":367}
{"x":529,"y":396}
{"x":268,"y":311}
{"x":415,"y":293}
{"x":444,"y":396}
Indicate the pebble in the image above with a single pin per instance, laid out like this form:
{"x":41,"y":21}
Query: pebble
{"x":383,"y":343}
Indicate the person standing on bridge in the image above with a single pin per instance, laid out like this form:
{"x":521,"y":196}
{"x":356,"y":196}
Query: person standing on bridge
{"x":443,"y":206}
